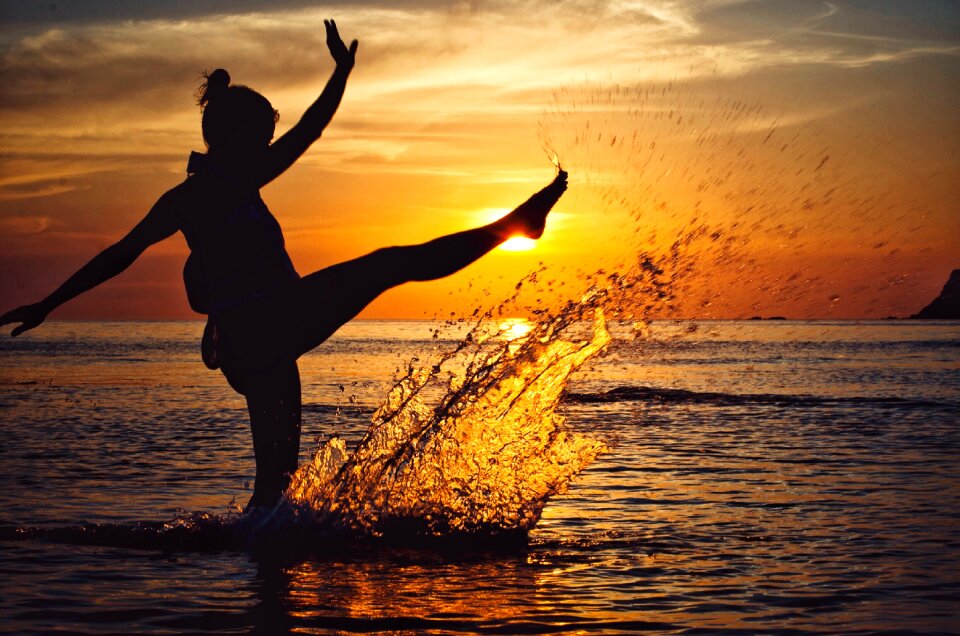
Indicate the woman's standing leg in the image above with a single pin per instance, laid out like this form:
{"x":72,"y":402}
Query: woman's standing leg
{"x":273,"y":400}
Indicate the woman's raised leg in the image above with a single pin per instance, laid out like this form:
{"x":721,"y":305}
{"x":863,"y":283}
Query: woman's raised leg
{"x":329,"y":298}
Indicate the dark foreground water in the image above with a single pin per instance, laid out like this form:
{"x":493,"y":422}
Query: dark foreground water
{"x":763,"y":476}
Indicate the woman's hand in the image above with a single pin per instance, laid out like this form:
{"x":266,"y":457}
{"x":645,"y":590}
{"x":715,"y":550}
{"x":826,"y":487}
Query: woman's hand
{"x":343,"y":56}
{"x":293,"y":143}
{"x":29,"y":316}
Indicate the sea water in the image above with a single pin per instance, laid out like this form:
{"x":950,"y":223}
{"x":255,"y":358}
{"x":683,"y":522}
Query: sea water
{"x":753,"y":476}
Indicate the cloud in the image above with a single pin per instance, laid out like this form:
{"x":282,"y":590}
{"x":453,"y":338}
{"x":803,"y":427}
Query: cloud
{"x":30,"y":13}
{"x":117,"y":79}
{"x":35,"y":188}
{"x":150,"y":54}
{"x":126,"y":87}
{"x":24,"y":225}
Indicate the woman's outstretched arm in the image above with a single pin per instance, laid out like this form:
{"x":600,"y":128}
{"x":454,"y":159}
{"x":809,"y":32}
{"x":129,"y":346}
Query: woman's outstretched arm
{"x":159,"y":223}
{"x":286,"y":150}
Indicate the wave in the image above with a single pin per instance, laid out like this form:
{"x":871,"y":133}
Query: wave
{"x":684,"y":396}
{"x":291,"y":534}
{"x":283,"y":531}
{"x":185,"y":533}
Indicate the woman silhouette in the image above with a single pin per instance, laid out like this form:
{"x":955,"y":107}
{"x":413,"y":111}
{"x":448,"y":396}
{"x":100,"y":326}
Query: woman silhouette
{"x":262,"y":316}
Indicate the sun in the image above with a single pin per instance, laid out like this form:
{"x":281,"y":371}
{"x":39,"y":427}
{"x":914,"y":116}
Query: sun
{"x":512,"y":244}
{"x":518,"y":244}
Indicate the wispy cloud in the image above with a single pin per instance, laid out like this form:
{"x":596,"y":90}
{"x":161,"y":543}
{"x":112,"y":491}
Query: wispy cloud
{"x":24,"y":225}
{"x":122,"y":83}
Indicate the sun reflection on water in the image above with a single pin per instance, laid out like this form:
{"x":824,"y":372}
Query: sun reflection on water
{"x":513,"y":328}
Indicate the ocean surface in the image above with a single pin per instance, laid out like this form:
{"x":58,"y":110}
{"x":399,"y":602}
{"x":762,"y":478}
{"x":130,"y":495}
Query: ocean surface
{"x":762,"y":476}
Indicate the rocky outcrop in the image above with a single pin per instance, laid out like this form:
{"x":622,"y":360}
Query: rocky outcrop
{"x":946,"y":306}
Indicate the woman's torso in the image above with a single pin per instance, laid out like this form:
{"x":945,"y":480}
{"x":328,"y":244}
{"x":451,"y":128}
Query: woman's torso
{"x":238,"y":254}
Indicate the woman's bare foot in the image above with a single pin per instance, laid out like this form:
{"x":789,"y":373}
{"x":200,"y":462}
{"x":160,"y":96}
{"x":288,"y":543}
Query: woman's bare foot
{"x":530,"y":217}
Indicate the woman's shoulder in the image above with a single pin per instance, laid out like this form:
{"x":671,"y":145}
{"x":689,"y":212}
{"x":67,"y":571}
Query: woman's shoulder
{"x":178,"y":203}
{"x":189,"y":192}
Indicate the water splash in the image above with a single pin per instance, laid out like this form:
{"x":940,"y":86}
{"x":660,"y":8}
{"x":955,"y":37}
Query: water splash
{"x":474,"y":444}
{"x":477,"y":450}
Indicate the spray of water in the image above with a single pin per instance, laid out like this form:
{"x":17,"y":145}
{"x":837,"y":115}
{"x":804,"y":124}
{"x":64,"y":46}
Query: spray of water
{"x":483,"y":458}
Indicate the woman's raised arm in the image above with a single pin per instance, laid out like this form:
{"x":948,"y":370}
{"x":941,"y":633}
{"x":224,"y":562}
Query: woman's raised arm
{"x":157,"y":225}
{"x":286,"y":150}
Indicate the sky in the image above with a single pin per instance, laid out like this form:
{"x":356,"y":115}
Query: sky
{"x":820,"y":139}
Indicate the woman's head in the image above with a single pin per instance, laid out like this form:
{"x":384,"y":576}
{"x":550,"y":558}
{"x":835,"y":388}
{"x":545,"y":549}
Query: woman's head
{"x":234,"y":117}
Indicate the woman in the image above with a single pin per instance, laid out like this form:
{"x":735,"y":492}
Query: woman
{"x":262,"y":315}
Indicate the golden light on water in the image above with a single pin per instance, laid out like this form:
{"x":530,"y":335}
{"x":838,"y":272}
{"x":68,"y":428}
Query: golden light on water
{"x":513,"y":328}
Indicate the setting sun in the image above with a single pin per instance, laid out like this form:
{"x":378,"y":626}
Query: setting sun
{"x":514,"y":243}
{"x":518,"y":244}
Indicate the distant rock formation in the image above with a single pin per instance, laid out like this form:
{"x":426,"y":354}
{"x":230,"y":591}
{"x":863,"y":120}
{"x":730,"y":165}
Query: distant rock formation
{"x":946,"y":306}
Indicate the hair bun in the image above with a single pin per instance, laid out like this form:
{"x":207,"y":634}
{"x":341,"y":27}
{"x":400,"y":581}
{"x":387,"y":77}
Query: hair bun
{"x":217,"y":83}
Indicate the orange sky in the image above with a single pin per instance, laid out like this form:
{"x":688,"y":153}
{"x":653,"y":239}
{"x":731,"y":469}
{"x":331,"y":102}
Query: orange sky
{"x":828,"y":132}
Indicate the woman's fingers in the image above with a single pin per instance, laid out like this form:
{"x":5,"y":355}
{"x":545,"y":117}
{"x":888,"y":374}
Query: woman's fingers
{"x":341,"y":54}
